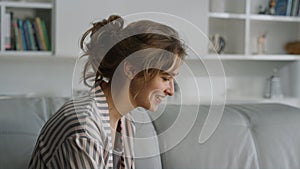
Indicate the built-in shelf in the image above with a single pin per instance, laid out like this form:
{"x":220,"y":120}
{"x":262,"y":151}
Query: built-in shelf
{"x":275,"y":18}
{"x":241,"y":27}
{"x":25,"y":53}
{"x":222,"y":15}
{"x":227,"y":15}
{"x":22,"y":33}
{"x":248,"y":57}
{"x":24,"y":4}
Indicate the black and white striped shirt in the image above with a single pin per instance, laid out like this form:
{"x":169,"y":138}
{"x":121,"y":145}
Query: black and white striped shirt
{"x":79,"y":136}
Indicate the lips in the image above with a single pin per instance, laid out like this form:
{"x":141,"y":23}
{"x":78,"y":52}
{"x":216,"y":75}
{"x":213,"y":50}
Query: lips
{"x":159,"y":98}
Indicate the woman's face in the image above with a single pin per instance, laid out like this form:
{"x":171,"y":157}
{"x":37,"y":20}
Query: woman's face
{"x":154,"y":91}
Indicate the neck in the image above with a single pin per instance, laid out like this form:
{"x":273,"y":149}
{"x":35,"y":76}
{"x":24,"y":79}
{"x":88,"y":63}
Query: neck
{"x":118,"y":106}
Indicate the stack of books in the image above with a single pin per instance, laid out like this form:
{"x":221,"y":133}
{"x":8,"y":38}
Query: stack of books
{"x":26,"y":34}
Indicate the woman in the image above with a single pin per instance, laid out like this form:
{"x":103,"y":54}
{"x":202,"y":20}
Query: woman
{"x":129,"y":67}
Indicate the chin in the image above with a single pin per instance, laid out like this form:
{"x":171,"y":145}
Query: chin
{"x":151,"y":108}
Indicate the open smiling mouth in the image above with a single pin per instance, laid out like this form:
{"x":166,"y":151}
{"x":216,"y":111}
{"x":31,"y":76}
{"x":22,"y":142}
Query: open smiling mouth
{"x":159,"y":99}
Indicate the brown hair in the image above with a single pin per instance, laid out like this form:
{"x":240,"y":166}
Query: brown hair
{"x":110,"y":43}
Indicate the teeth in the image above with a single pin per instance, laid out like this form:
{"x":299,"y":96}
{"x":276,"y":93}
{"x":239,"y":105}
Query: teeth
{"x":160,"y":98}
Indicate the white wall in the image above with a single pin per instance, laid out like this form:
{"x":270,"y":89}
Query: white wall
{"x":35,"y":76}
{"x":73,"y":17}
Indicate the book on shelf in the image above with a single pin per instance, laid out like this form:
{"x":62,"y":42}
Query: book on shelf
{"x":298,"y":10}
{"x":30,"y":34}
{"x":295,"y":5}
{"x":7,"y":31}
{"x":12,"y":34}
{"x":22,"y":34}
{"x":287,"y":7}
{"x":26,"y":36}
{"x":281,"y":7}
{"x":40,"y":33}
{"x":45,"y":33}
{"x":292,"y":7}
{"x":17,"y":34}
{"x":37,"y":35}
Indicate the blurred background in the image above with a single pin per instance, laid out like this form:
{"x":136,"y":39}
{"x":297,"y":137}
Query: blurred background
{"x":255,"y":41}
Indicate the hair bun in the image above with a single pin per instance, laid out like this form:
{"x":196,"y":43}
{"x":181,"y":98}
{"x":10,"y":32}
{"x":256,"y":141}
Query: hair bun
{"x":112,"y":18}
{"x":114,"y":23}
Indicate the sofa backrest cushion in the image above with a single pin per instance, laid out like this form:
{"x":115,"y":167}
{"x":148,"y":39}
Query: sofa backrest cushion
{"x":20,"y":122}
{"x":248,"y":136}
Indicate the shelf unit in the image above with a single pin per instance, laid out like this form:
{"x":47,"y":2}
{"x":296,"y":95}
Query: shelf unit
{"x":240,"y":25}
{"x":26,"y":10}
{"x":278,"y":57}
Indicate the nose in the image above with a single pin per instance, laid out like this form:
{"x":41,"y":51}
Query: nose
{"x":170,"y":89}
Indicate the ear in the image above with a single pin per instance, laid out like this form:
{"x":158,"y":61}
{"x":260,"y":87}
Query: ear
{"x":129,"y":70}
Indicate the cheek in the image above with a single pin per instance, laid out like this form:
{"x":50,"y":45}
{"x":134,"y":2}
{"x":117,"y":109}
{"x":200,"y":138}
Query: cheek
{"x":141,"y":91}
{"x":135,"y":87}
{"x":145,"y":96}
{"x":157,"y":86}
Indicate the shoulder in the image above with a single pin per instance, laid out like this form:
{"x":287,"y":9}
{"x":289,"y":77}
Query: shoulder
{"x":73,"y":117}
{"x":77,"y":118}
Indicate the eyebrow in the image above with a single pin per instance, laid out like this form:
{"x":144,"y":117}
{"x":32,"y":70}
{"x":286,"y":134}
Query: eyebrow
{"x":170,"y":74}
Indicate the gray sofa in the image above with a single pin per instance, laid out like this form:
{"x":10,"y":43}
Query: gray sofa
{"x":256,"y":136}
{"x":249,"y":136}
{"x":21,"y":119}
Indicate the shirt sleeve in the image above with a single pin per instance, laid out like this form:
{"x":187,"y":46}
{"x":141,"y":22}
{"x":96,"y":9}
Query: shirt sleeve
{"x":80,"y":152}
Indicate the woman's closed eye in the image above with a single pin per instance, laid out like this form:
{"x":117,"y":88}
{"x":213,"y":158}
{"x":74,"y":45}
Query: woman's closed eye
{"x":167,"y":78}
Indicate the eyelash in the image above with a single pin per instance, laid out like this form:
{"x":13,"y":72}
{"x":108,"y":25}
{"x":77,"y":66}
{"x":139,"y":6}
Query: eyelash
{"x":166,"y":78}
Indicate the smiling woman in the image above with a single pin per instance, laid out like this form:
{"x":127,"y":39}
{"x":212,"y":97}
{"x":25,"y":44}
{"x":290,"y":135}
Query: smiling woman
{"x":128,"y":67}
{"x":151,"y":94}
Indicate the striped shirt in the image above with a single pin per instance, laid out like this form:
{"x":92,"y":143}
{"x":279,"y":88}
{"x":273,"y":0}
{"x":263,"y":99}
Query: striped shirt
{"x":79,"y":136}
